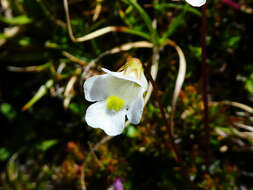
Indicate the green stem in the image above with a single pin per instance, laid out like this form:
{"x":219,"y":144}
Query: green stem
{"x":147,"y":20}
{"x":45,"y":10}
{"x":162,"y":6}
{"x":135,"y":32}
{"x":173,"y":26}
{"x":39,"y":94}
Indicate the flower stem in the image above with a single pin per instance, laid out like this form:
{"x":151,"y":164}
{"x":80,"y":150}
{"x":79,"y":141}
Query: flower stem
{"x":171,"y":137}
{"x":204,"y":88}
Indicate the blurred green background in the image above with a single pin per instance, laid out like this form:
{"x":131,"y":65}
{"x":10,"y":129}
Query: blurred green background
{"x":44,"y":140}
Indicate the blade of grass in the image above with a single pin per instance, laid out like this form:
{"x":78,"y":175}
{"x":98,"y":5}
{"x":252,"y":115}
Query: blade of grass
{"x":163,"y":6}
{"x":174,"y":25}
{"x":18,"y":20}
{"x":147,"y":20}
{"x":179,"y":82}
{"x":101,"y":31}
{"x":39,"y":94}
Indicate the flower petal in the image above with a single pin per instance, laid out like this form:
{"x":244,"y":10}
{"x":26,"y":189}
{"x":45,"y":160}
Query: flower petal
{"x":144,"y":82}
{"x":100,"y":87}
{"x":95,"y":89}
{"x":135,"y":109}
{"x":196,"y":3}
{"x":127,"y":77}
{"x":98,"y":116}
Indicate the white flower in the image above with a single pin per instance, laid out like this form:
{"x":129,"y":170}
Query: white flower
{"x":196,"y":3}
{"x":117,"y":95}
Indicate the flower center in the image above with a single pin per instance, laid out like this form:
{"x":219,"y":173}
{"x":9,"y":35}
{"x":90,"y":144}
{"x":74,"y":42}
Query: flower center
{"x":115,"y":103}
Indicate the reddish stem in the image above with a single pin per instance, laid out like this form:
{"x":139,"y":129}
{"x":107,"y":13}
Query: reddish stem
{"x":204,"y":88}
{"x":171,"y":137}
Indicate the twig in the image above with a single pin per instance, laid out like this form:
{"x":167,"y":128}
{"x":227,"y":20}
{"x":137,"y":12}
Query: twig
{"x":154,"y":67}
{"x":37,"y":68}
{"x":74,"y":59}
{"x":221,"y":133}
{"x":95,"y":156}
{"x":243,"y":126}
{"x":9,"y":32}
{"x":245,"y":135}
{"x":95,"y":148}
{"x":68,"y":93}
{"x":48,"y":14}
{"x":165,"y":120}
{"x":153,"y":71}
{"x":179,"y":82}
{"x":236,"y":104}
{"x":204,"y":88}
{"x":12,"y":171}
{"x":86,"y":37}
{"x":101,"y":31}
{"x":117,"y":49}
{"x":97,"y":10}
{"x":23,"y":69}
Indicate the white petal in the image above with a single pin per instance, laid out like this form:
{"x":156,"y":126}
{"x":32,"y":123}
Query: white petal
{"x":95,"y":89}
{"x":196,"y":3}
{"x":125,"y":77}
{"x":124,"y":88}
{"x":144,"y":82}
{"x":100,"y":87}
{"x":98,"y":116}
{"x":135,"y":109}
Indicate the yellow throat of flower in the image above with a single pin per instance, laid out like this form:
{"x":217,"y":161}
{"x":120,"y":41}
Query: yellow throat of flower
{"x":115,"y":103}
{"x":133,"y":65}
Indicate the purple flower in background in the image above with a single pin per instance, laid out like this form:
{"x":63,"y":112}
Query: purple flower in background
{"x":118,"y":185}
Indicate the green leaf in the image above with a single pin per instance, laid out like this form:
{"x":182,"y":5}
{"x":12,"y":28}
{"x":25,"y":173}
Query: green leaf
{"x":234,"y":41}
{"x":25,"y":41}
{"x":45,"y":145}
{"x":19,"y":20}
{"x":2,"y":36}
{"x":174,"y":25}
{"x":76,"y":108}
{"x":249,"y":84}
{"x":196,"y":50}
{"x":4,"y":154}
{"x":7,"y":110}
{"x":147,"y":20}
{"x":131,"y":131}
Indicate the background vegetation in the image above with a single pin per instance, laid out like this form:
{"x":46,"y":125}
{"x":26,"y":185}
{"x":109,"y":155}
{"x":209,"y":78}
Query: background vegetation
{"x":44,"y":140}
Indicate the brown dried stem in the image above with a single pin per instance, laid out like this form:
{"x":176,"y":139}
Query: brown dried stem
{"x":74,"y":59}
{"x":95,"y":148}
{"x":165,"y":120}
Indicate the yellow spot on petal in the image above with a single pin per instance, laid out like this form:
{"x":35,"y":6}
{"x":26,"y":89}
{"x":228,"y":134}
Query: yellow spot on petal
{"x":115,"y":103}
